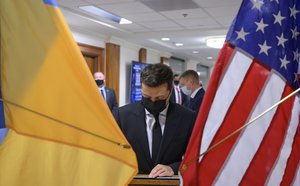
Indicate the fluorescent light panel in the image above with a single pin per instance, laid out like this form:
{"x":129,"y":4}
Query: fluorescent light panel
{"x":178,"y":44}
{"x":102,"y":13}
{"x":165,"y":39}
{"x":124,"y":21}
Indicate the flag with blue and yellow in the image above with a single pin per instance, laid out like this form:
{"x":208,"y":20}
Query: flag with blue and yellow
{"x":61,"y":131}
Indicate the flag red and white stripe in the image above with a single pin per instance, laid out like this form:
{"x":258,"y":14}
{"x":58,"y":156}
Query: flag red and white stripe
{"x":265,"y":153}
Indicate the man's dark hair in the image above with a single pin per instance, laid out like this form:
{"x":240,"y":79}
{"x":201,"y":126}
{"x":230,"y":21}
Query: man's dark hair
{"x":175,"y":75}
{"x":191,"y":74}
{"x":155,"y":75}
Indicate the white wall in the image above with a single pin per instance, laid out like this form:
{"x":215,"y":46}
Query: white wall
{"x":191,"y":65}
{"x":153,"y":56}
{"x":90,"y":39}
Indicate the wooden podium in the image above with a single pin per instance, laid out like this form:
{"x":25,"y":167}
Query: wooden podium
{"x":142,"y":179}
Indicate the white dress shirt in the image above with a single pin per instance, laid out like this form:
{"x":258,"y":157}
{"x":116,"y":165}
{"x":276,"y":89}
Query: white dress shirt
{"x":195,"y":92}
{"x":150,"y":121}
{"x":178,"y":97}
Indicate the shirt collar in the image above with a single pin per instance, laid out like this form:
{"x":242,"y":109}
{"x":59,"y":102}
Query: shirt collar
{"x":195,"y":92}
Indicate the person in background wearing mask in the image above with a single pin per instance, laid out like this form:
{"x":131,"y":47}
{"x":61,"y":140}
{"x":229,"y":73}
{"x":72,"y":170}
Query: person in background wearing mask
{"x":108,"y":94}
{"x":158,"y":130}
{"x":190,"y":85}
{"x":177,"y":95}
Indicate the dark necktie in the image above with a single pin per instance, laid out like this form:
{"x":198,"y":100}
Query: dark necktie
{"x":103,"y":94}
{"x":156,"y":138}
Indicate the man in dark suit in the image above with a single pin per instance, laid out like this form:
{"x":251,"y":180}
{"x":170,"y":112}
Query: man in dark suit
{"x":108,"y":94}
{"x":158,"y":130}
{"x":191,"y":86}
{"x":177,"y":95}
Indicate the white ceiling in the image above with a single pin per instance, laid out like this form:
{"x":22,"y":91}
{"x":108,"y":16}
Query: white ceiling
{"x":190,"y":22}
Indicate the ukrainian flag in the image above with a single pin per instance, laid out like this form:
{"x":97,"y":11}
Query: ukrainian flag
{"x":61,"y":131}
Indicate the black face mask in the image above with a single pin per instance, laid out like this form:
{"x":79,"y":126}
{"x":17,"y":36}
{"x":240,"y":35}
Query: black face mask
{"x":176,"y":82}
{"x":154,"y":107}
{"x":99,"y":82}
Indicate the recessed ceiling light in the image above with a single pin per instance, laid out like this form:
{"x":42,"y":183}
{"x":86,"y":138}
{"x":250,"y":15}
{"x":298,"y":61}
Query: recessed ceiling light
{"x":215,"y":42}
{"x":195,"y":52}
{"x":102,"y":13}
{"x":209,"y":57}
{"x":178,"y":44}
{"x":165,"y":39}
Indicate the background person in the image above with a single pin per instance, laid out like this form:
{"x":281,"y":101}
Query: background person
{"x":190,"y":85}
{"x":108,"y":94}
{"x":177,"y":95}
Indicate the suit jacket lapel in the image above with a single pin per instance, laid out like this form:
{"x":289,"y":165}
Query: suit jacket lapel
{"x":142,"y":132}
{"x":171,"y":128}
{"x":107,"y":95}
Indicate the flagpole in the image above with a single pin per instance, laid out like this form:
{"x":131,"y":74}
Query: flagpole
{"x":185,"y":166}
{"x":126,"y":146}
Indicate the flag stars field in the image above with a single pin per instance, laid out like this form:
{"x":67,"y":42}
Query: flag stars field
{"x":284,"y":63}
{"x":272,"y":30}
{"x":277,"y":1}
{"x":293,"y":12}
{"x":281,"y":40}
{"x":241,"y":34}
{"x":257,"y":4}
{"x":261,"y":26}
{"x":296,"y":55}
{"x":295,"y":33}
{"x":264,"y":48}
{"x":278,"y":18}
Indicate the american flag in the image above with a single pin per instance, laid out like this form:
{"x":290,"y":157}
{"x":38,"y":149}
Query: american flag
{"x":257,"y":67}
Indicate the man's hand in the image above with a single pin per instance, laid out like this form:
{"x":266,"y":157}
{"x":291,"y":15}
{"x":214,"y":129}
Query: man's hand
{"x":161,"y":170}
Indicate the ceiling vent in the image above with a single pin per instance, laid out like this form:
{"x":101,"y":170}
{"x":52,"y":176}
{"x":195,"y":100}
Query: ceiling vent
{"x":169,"y":5}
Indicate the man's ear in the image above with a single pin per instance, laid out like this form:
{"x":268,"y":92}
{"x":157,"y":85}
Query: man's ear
{"x":169,"y":97}
{"x":171,"y":92}
{"x":192,"y":82}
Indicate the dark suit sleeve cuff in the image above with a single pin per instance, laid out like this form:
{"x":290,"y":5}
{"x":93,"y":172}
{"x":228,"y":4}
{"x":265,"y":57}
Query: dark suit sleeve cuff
{"x":175,"y":167}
